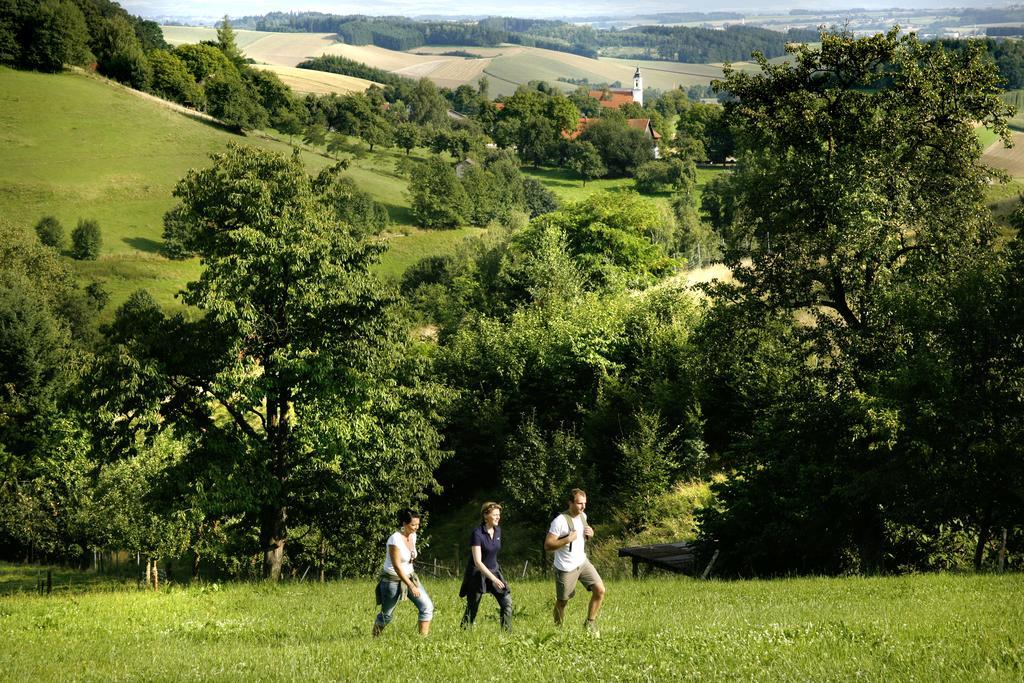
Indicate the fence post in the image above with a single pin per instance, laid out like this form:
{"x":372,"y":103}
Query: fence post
{"x":1002,"y":552}
{"x":49,"y":581}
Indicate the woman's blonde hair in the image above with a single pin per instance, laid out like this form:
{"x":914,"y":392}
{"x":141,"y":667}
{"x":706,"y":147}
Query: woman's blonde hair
{"x":486,"y":508}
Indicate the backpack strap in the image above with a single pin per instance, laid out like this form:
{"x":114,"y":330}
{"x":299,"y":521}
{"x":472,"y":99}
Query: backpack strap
{"x":572,"y":527}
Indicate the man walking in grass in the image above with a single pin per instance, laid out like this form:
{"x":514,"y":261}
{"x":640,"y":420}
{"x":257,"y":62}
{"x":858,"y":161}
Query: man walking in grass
{"x":566,"y":538}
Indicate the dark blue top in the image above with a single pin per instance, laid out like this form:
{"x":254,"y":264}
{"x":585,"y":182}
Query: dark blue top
{"x":489,"y":547}
{"x":473,"y":581}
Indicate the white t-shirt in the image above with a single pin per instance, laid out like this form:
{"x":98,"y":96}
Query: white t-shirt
{"x":405,"y":557}
{"x":567,"y":559}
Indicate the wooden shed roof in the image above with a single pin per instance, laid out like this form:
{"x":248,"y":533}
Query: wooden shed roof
{"x":675,"y":557}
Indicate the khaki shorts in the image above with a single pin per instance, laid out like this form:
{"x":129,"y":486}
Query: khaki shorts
{"x":565,"y":582}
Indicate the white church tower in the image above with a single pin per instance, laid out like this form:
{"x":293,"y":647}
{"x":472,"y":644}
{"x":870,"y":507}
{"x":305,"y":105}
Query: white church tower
{"x":638,"y":88}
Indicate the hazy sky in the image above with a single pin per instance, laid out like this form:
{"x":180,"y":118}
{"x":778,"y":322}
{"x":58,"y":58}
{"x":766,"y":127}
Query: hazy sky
{"x":527,"y":8}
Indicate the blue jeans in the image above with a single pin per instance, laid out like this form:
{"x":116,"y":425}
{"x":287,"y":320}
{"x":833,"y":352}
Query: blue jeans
{"x":391,"y":593}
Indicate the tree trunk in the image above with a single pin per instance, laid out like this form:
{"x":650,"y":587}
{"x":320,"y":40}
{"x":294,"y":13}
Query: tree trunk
{"x":979,"y":550}
{"x":272,"y":538}
{"x":195,"y":567}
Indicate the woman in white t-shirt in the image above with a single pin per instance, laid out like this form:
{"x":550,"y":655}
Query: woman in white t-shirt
{"x":398,"y":577}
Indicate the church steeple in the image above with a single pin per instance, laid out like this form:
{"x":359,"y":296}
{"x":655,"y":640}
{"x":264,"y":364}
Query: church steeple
{"x":638,"y":88}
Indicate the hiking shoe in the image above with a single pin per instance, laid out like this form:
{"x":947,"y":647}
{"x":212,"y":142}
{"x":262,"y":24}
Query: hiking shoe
{"x":591,"y":628}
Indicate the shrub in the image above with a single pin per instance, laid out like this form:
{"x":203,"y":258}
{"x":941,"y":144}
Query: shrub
{"x":51,"y":232}
{"x":86,"y":240}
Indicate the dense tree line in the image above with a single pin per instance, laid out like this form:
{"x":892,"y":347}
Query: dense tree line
{"x":672,"y":43}
{"x":45,"y":35}
{"x":1007,"y":54}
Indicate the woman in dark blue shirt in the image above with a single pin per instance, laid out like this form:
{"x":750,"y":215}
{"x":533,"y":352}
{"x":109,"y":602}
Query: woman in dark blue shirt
{"x":483,"y":575}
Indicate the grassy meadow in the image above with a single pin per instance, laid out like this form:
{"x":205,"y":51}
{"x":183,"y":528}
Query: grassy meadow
{"x":933,"y":627}
{"x":77,"y":146}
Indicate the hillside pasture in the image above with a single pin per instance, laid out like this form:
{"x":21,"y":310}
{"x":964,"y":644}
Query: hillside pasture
{"x":665,"y":628}
{"x":78,"y":146}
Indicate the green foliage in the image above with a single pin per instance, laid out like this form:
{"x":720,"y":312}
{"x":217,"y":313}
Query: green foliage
{"x":622,"y":149}
{"x":204,"y":61}
{"x":86,"y":240}
{"x":695,"y":240}
{"x":120,"y":56}
{"x":609,"y":236}
{"x":325,"y":405}
{"x":648,"y":461}
{"x":407,"y":136}
{"x":532,"y":122}
{"x":495,"y":191}
{"x":44,"y":325}
{"x":427,"y":107}
{"x":51,"y":233}
{"x":172,"y":79}
{"x":586,"y":160}
{"x":354,"y":207}
{"x":438,"y":198}
{"x":846,"y":211}
{"x":539,"y":199}
{"x":229,"y":100}
{"x":56,"y":35}
{"x":276,"y":98}
{"x":226,"y":42}
{"x":674,"y":173}
{"x":541,"y":469}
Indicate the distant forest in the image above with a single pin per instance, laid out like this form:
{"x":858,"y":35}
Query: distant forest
{"x":668,"y":43}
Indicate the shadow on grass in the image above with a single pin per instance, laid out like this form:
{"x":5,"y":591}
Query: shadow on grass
{"x":143,"y":244}
{"x":555,"y":176}
{"x":16,"y":578}
{"x":400,"y":215}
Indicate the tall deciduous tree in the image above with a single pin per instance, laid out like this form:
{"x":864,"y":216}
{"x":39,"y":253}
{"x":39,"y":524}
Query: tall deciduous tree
{"x":860,"y":171}
{"x":858,"y":198}
{"x":326,"y":420}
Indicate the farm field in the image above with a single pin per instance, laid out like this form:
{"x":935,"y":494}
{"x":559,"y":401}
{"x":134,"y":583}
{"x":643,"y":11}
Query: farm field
{"x":506,"y":66}
{"x":282,"y":49}
{"x":307,"y":81}
{"x":928,"y":627}
{"x":1010,"y":160}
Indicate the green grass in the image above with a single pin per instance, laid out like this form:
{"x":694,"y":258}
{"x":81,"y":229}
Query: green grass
{"x":935,"y":627}
{"x":568,"y":186}
{"x":76,"y":146}
{"x":986,"y":136}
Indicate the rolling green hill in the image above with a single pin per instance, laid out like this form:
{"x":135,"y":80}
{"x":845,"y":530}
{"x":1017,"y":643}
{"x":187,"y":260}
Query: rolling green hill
{"x":78,"y":146}
{"x":74,"y":145}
